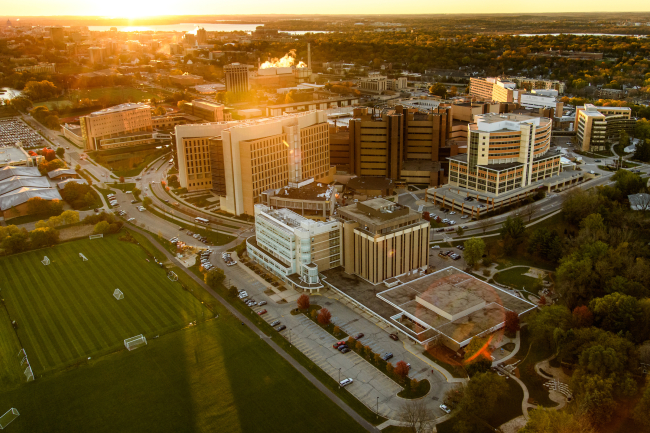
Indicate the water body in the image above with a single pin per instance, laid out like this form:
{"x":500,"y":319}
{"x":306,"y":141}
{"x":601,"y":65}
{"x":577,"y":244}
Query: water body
{"x":582,"y":34}
{"x":191,"y":28}
{"x":9,"y":93}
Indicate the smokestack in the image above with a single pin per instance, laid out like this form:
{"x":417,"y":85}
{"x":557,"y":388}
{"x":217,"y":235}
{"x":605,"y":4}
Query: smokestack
{"x":308,"y":55}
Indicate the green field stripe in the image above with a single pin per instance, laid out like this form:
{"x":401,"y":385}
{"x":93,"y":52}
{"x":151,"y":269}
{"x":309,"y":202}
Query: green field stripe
{"x":78,"y":308}
{"x":90,"y":297}
{"x":28,"y":311}
{"x":55,"y":313}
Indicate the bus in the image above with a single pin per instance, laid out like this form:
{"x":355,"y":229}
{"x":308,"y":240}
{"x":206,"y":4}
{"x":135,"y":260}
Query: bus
{"x":201,"y":220}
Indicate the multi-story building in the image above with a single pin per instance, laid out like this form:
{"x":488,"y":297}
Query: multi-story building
{"x":237,"y":77}
{"x":206,"y":110}
{"x":493,"y":89}
{"x":186,"y":79}
{"x":239,"y":161}
{"x":382,"y":240}
{"x":96,"y":55}
{"x":541,"y":99}
{"x":123,"y":125}
{"x":374,"y":83}
{"x":293,"y":247}
{"x":598,"y":126}
{"x":505,"y":152}
{"x":397,"y":83}
{"x":531,"y":84}
{"x":56,"y":33}
{"x":41,"y":68}
{"x":311,"y":199}
{"x":201,"y":36}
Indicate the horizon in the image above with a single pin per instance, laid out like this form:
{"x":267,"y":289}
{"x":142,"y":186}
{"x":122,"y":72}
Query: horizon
{"x":169,"y":9}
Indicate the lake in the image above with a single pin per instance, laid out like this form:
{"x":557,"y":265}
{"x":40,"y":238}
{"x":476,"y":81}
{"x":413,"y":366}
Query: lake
{"x":581,"y":34}
{"x":191,"y":27}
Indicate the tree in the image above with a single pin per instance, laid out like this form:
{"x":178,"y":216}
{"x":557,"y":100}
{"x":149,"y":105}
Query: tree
{"x":136,"y":193}
{"x":40,"y":90}
{"x":60,"y":152}
{"x":389,"y":367}
{"x":642,"y":152}
{"x":529,"y":210}
{"x":474,"y":250}
{"x":214,"y":277}
{"x":628,"y":183}
{"x":477,"y":356}
{"x":554,"y":421}
{"x":479,"y":401}
{"x":401,"y":369}
{"x":513,"y":227}
{"x":121,"y":179}
{"x":578,"y":203}
{"x":642,"y":409}
{"x":303,"y":301}
{"x":43,"y":237}
{"x":324,"y":316}
{"x":101,"y":227}
{"x":159,"y":111}
{"x":582,"y":317}
{"x":15,"y":241}
{"x":460,"y":231}
{"x":232,"y":292}
{"x":438,"y":89}
{"x":336,"y":330}
{"x":511,"y":325}
{"x":20,"y":104}
{"x":615,"y":312}
{"x":146,"y":202}
{"x":543,"y":323}
{"x":416,"y":415}
{"x":314,"y":314}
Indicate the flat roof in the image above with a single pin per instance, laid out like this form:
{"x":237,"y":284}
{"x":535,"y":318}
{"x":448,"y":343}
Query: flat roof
{"x":314,"y":191}
{"x":122,"y":107}
{"x":366,"y":182}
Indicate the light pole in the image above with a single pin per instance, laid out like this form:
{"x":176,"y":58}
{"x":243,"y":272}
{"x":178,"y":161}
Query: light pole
{"x":339,"y":378}
{"x":377,"y":407}
{"x":289,"y":337}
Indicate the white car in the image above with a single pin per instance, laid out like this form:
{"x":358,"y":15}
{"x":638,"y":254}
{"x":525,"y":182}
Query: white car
{"x":445,"y":221}
{"x":452,"y":222}
{"x":445,"y":408}
{"x":346,"y":382}
{"x":452,"y":213}
{"x":435,"y":247}
{"x":464,"y":216}
{"x":131,"y":219}
{"x":243,"y":295}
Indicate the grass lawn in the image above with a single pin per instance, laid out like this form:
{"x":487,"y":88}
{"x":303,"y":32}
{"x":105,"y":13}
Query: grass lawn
{"x":124,"y":187}
{"x":515,"y":278}
{"x":534,"y":382}
{"x":66,"y":311}
{"x":125,"y":93}
{"x":217,"y":376}
{"x":455,"y":370}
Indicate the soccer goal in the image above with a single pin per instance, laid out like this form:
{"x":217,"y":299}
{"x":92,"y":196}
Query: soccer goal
{"x":118,"y":294}
{"x":45,"y":261}
{"x":135,"y":342}
{"x":8,"y":417}
{"x":96,"y":236}
{"x":29,"y":374}
{"x":83,"y":258}
{"x":172,"y":276}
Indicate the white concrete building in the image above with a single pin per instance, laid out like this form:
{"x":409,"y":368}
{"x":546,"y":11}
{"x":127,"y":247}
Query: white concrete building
{"x":293,"y":247}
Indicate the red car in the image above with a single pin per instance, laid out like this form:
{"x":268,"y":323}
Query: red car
{"x":393,"y":337}
{"x":359,"y":335}
{"x":337,"y":344}
{"x":261,"y":312}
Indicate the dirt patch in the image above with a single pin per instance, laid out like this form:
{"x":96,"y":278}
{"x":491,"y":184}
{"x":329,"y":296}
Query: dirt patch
{"x":75,"y":232}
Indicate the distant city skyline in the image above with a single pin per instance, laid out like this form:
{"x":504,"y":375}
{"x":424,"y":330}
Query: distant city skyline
{"x":148,"y":8}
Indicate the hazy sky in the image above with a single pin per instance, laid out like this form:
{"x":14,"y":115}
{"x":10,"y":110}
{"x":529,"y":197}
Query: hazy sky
{"x":136,"y":8}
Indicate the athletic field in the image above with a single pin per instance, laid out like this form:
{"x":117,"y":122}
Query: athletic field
{"x":66,"y":311}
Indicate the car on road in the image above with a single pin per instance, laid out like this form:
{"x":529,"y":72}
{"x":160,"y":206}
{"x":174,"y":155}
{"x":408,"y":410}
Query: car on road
{"x":393,"y":337}
{"x":346,"y":382}
{"x":386,"y":356}
{"x":440,"y":230}
{"x":452,"y":222}
{"x":259,"y":313}
{"x":281,"y":328}
{"x":443,"y":255}
{"x":597,"y":160}
{"x":455,"y":257}
{"x":461,"y":247}
{"x":358,"y":336}
{"x":338,"y":344}
{"x":445,"y":408}
{"x":464,"y":227}
{"x":96,"y":209}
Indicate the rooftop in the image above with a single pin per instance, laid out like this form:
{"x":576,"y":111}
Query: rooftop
{"x":118,"y":108}
{"x":8,"y":171}
{"x":12,"y":154}
{"x":376,"y":183}
{"x":313,"y":191}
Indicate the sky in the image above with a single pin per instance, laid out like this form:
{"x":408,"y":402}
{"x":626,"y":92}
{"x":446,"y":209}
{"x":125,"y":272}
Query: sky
{"x":140,"y":8}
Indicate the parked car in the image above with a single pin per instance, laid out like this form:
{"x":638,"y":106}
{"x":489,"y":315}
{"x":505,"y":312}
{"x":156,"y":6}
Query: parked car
{"x":261,"y":303}
{"x":358,"y":336}
{"x":440,"y":230}
{"x":275,"y":323}
{"x":338,"y":344}
{"x":443,"y":255}
{"x":461,"y":247}
{"x":387,"y":356}
{"x":464,"y":217}
{"x":445,"y":408}
{"x":243,"y":294}
{"x":435,"y":247}
{"x":280,"y":328}
{"x":393,"y":337}
{"x":452,"y":213}
{"x":346,"y":382}
{"x":259,"y":313}
{"x":344,"y":349}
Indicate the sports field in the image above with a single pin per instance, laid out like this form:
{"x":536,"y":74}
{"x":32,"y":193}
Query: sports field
{"x":66,"y":311}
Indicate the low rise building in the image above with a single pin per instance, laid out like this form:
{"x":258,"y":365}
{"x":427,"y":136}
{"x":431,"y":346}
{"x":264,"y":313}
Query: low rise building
{"x":186,"y":80}
{"x":375,"y":84}
{"x":206,"y":110}
{"x":41,"y":68}
{"x":309,"y":199}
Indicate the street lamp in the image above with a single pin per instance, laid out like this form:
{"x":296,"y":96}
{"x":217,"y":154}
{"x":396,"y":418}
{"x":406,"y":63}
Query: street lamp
{"x":339,"y":378}
{"x":377,"y":407}
{"x":289,"y":337}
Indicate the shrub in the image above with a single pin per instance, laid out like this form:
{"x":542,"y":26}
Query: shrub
{"x":336,"y":330}
{"x":512,"y":323}
{"x":101,"y":227}
{"x":314,"y":314}
{"x":401,"y":369}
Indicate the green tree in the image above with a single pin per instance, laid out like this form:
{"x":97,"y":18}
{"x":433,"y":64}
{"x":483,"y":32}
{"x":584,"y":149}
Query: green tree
{"x":214,"y":277}
{"x":578,"y":203}
{"x":642,"y":152}
{"x":474,"y":250}
{"x":60,"y":152}
{"x":232,"y":292}
{"x":642,"y":408}
{"x":513,"y":227}
{"x":101,"y":227}
{"x":628,"y":183}
{"x":438,"y":89}
{"x":615,"y":312}
{"x":15,"y":241}
{"x":543,"y":323}
{"x":554,"y":421}
{"x":459,"y":231}
{"x":479,"y":401}
{"x":21,"y":104}
{"x":146,"y":202}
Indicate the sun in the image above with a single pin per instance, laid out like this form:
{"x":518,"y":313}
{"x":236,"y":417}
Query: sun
{"x":134,"y":9}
